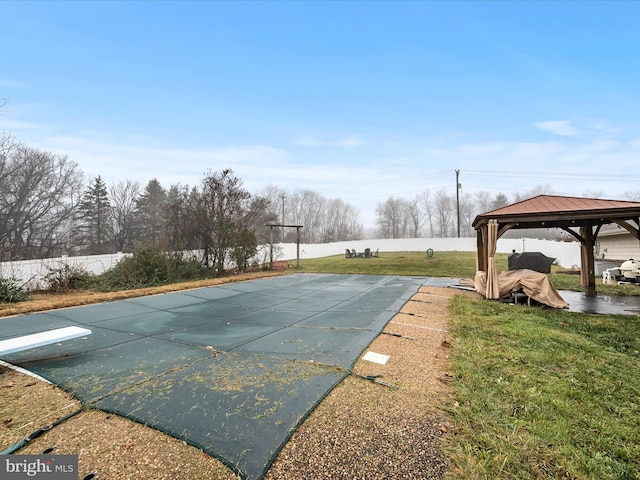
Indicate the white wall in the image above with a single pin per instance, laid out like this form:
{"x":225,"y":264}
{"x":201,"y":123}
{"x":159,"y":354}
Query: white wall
{"x":33,"y":272}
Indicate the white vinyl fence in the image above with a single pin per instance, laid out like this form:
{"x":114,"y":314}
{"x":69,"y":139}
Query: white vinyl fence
{"x":567,"y":254}
{"x":32,"y":273}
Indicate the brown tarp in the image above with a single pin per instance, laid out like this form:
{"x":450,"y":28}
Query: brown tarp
{"x":533,"y":284}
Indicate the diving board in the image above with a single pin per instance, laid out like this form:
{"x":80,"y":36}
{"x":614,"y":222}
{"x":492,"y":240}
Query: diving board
{"x":35,"y":340}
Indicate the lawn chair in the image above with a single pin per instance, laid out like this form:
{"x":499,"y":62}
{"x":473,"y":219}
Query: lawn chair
{"x":347,"y":253}
{"x":367,"y":253}
{"x":353,"y":253}
{"x":376,"y":253}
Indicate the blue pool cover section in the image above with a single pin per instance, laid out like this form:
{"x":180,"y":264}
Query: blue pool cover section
{"x":231,"y":369}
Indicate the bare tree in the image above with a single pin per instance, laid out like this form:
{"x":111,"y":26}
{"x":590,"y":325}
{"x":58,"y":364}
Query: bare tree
{"x":416,"y":217}
{"x":37,"y":199}
{"x":223,"y":203}
{"x":392,"y":218}
{"x":324,"y":219}
{"x":339,"y":222}
{"x":633,"y":195}
{"x":275,"y":203}
{"x":468,"y":213}
{"x":252,"y":231}
{"x":534,"y":192}
{"x":307,"y":208}
{"x":427,"y":204}
{"x":482,"y":200}
{"x":444,"y":206}
{"x":123,"y":196}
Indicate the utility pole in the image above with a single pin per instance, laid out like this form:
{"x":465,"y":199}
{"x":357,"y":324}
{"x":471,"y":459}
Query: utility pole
{"x":458,"y":187}
{"x":282,"y":239}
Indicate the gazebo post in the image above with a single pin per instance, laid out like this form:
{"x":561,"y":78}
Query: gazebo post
{"x":482,"y":255}
{"x":587,"y":260}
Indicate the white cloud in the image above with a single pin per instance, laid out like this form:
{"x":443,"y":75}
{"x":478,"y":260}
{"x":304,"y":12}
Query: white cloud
{"x":119,"y":161}
{"x":482,"y":149}
{"x":558,"y":127}
{"x":255,"y":165}
{"x":8,"y":124}
{"x":347,"y":142}
{"x":602,"y":145}
{"x":4,"y":83}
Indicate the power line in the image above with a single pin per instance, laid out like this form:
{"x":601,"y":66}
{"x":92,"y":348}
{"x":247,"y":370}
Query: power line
{"x":617,"y":177}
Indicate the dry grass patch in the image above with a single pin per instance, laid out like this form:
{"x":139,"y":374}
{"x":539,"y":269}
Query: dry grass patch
{"x":28,"y":404}
{"x":43,"y":301}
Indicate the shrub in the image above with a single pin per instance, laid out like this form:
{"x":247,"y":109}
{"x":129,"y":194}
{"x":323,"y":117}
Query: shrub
{"x":11,"y":291}
{"x":65,"y":278}
{"x":149,"y":267}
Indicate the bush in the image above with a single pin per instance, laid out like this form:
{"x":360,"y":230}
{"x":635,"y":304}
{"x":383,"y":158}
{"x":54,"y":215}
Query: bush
{"x":11,"y":291}
{"x":150,"y":267}
{"x":65,"y":278}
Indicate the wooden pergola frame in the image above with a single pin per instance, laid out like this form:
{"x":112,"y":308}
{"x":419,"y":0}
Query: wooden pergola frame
{"x":582,"y":222}
{"x":297,"y":227}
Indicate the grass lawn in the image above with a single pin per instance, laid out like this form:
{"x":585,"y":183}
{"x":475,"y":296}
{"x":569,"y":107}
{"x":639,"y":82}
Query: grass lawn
{"x":442,"y":264}
{"x":544,"y":394}
{"x":537,"y":393}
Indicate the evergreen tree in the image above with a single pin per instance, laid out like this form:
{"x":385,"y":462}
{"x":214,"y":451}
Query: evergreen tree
{"x":94,"y":228}
{"x":151,"y":214}
{"x":500,"y":201}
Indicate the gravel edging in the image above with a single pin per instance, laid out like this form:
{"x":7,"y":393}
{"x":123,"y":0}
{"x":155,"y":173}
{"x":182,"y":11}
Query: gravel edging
{"x":364,"y":429}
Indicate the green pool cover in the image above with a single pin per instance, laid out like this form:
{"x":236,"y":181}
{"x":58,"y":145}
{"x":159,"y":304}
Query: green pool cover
{"x":231,"y":369}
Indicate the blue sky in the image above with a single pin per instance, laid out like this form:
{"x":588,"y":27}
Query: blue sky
{"x":355,"y":100}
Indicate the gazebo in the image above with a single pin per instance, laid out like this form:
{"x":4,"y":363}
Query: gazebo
{"x":580,"y":217}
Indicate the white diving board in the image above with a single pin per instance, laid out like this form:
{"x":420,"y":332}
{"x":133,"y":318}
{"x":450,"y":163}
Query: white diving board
{"x":26,"y":342}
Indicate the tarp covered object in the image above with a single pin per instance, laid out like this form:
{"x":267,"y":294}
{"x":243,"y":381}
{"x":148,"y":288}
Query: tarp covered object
{"x":533,"y":284}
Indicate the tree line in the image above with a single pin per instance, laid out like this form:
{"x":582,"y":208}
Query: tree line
{"x":47,"y":210}
{"x":438,"y":214}
{"x":435,"y":214}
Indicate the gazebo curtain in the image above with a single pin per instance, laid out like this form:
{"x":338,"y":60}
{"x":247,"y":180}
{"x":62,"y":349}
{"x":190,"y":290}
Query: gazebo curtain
{"x":493,"y":290}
